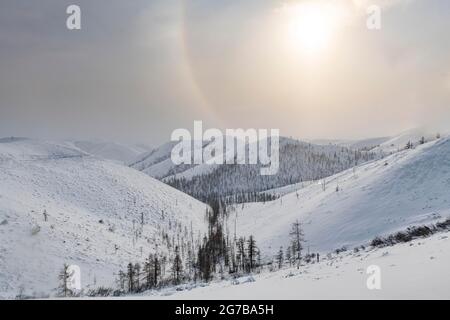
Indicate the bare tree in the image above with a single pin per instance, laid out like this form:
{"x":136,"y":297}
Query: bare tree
{"x":64,"y":277}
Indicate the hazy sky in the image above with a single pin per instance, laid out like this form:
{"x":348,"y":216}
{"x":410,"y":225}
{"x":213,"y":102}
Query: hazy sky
{"x":139,"y":69}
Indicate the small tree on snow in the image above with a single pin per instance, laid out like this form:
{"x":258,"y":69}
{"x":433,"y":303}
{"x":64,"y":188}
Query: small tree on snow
{"x":241,"y":255}
{"x":122,"y":280}
{"x":137,"y":274}
{"x":252,"y":252}
{"x":64,"y":278}
{"x":297,"y":239}
{"x":130,"y":277}
{"x":152,"y":270}
{"x":289,"y":255}
{"x":324,"y":184}
{"x":177,"y":267}
{"x":280,"y":258}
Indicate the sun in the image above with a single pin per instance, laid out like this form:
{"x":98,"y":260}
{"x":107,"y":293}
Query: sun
{"x":310,"y":29}
{"x":311,"y":25}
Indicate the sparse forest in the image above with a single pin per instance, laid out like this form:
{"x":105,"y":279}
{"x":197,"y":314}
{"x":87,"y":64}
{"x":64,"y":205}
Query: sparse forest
{"x":189,"y":258}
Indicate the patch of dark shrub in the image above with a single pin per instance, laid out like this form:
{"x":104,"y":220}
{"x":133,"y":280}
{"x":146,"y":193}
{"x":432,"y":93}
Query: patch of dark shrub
{"x":410,"y":234}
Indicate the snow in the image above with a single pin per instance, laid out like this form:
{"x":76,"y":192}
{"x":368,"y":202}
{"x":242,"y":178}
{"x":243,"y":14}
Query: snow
{"x":367,"y":144}
{"x":380,"y":197}
{"x":27,"y":149}
{"x":413,"y":135}
{"x":119,"y":152}
{"x":415,"y":270}
{"x":298,"y":161}
{"x":157,"y":162}
{"x":281,"y":191}
{"x":92,"y":204}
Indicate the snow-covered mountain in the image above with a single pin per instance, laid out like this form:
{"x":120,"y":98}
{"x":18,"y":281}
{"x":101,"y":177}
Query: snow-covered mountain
{"x":367,"y":144}
{"x":59,"y":205}
{"x":413,"y":136}
{"x":406,"y":188}
{"x":363,"y":144}
{"x":119,"y":152}
{"x":18,"y":148}
{"x":299,"y":161}
{"x":157,"y":163}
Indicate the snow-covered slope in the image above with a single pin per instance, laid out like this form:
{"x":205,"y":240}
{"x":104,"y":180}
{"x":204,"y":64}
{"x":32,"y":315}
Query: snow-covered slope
{"x":414,"y":135}
{"x":416,"y":270}
{"x":408,"y":187}
{"x":157,"y":162}
{"x":298,"y":161}
{"x":366,"y":144}
{"x":26,"y":149}
{"x":281,"y":191}
{"x":94,"y":207}
{"x":122,"y":153}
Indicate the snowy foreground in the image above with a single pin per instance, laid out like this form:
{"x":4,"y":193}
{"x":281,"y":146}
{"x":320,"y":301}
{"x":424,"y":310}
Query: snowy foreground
{"x":416,"y":270}
{"x":60,"y":205}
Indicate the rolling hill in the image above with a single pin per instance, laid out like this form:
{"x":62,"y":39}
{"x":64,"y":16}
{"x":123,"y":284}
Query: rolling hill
{"x":119,"y":152}
{"x":380,"y":197}
{"x":59,"y":205}
{"x":299,"y":161}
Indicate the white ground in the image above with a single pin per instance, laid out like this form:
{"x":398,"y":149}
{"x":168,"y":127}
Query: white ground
{"x":119,"y":152}
{"x":407,"y":188}
{"x":77,"y":191}
{"x":414,"y":135}
{"x":281,"y":191}
{"x":415,"y":270}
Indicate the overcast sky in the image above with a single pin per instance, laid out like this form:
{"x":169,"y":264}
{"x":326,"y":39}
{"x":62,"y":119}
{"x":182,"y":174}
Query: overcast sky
{"x":139,"y":69}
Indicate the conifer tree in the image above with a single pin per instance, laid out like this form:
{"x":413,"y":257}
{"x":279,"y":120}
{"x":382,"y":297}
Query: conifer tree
{"x":280,"y":258}
{"x":297,"y":239}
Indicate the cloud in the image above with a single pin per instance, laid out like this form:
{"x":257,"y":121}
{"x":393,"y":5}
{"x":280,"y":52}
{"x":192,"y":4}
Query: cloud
{"x":141,"y":69}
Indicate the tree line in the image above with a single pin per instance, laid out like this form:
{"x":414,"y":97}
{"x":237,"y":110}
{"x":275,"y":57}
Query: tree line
{"x":299,"y":162}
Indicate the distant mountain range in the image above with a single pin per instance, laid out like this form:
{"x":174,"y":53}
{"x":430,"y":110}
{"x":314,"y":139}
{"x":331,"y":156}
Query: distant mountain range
{"x":299,"y":161}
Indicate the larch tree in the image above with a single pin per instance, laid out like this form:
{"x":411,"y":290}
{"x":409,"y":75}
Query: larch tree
{"x":297,"y":239}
